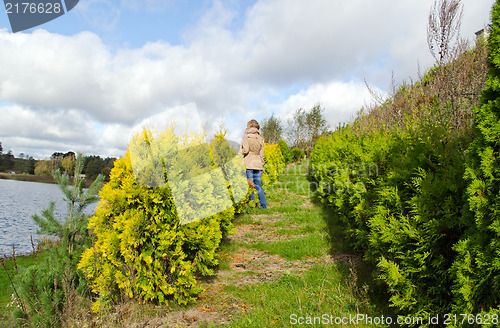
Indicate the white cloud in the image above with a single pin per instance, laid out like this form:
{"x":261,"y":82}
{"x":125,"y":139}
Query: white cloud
{"x":80,"y":72}
{"x":66,"y":125}
{"x":340,"y":100}
{"x":228,"y":70}
{"x":53,"y":71}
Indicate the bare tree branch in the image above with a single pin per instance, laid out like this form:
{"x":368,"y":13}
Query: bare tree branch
{"x":443,"y":30}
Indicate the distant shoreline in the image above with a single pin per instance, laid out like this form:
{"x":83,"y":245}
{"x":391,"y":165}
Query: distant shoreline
{"x":27,"y":177}
{"x":35,"y":178}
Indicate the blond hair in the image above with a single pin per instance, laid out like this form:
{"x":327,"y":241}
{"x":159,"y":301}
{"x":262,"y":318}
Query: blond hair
{"x":253,"y":124}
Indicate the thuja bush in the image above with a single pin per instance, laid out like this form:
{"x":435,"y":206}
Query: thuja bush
{"x":297,"y":154}
{"x":416,"y":187}
{"x":141,"y":249}
{"x":418,"y":218}
{"x":274,"y":163}
{"x":478,"y":270}
{"x":285,"y":150}
{"x":400,"y":196}
{"x":347,"y":167}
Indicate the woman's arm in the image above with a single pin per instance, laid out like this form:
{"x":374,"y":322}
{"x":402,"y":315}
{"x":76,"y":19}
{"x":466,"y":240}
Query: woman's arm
{"x":261,"y":153}
{"x":246,"y":147}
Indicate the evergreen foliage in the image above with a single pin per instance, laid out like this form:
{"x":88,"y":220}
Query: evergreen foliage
{"x":75,"y":225}
{"x":287,"y":154}
{"x":46,"y":288}
{"x":478,"y":273}
{"x":394,"y":178}
{"x":142,"y":250}
{"x":297,"y":154}
{"x":274,"y":163}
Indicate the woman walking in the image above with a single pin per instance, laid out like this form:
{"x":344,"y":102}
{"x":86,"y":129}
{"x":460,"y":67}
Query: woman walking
{"x":253,"y":152}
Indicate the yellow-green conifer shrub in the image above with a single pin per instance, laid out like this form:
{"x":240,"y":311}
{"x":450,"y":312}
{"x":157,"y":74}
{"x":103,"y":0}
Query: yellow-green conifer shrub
{"x":141,"y":248}
{"x":274,"y":163}
{"x":225,"y":157}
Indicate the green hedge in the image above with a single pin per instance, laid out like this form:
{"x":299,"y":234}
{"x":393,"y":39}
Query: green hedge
{"x":285,"y":150}
{"x":400,"y":197}
{"x":478,"y":274}
{"x":297,"y":154}
{"x":274,"y":164}
{"x":418,"y":194}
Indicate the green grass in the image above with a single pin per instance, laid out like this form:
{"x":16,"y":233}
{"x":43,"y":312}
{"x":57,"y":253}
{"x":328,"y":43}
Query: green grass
{"x":6,"y":289}
{"x":320,"y":292}
{"x":296,"y":231}
{"x":288,"y":197}
{"x":327,"y":289}
{"x":247,"y":219}
{"x":296,"y":248}
{"x":5,"y":285}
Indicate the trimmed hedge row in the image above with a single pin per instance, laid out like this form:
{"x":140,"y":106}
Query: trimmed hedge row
{"x":420,"y":199}
{"x":400,"y":197}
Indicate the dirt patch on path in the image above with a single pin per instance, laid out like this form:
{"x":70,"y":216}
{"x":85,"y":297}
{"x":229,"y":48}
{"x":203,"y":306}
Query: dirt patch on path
{"x":253,"y":266}
{"x":204,"y":313}
{"x":250,"y":266}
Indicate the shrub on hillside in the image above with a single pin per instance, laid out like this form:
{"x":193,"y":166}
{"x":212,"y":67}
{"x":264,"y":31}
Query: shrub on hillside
{"x":399,"y":195}
{"x":142,"y":250}
{"x":478,"y":271}
{"x":394,"y":179}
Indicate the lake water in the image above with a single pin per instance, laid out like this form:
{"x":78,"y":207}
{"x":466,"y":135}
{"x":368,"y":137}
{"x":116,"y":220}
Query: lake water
{"x":19,"y":200}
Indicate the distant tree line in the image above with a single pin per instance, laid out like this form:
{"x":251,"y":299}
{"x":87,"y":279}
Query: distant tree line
{"x":297,"y":136}
{"x":22,"y":164}
{"x":65,"y":162}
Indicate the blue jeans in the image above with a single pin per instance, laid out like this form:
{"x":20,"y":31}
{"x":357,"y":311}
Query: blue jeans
{"x":256,"y":177}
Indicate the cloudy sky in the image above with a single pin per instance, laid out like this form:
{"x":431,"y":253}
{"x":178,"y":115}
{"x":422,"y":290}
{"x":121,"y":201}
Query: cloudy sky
{"x":85,"y":80}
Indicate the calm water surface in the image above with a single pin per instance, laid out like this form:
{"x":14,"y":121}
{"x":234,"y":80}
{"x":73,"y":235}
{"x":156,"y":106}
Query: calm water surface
{"x":19,"y":200}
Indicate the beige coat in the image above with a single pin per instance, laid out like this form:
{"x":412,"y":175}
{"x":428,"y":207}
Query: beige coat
{"x":253,"y":150}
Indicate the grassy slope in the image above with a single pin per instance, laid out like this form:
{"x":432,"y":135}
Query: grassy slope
{"x":6,"y":274}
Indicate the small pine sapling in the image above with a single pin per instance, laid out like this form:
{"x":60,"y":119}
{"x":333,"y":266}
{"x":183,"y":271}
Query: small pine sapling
{"x":77,"y":199}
